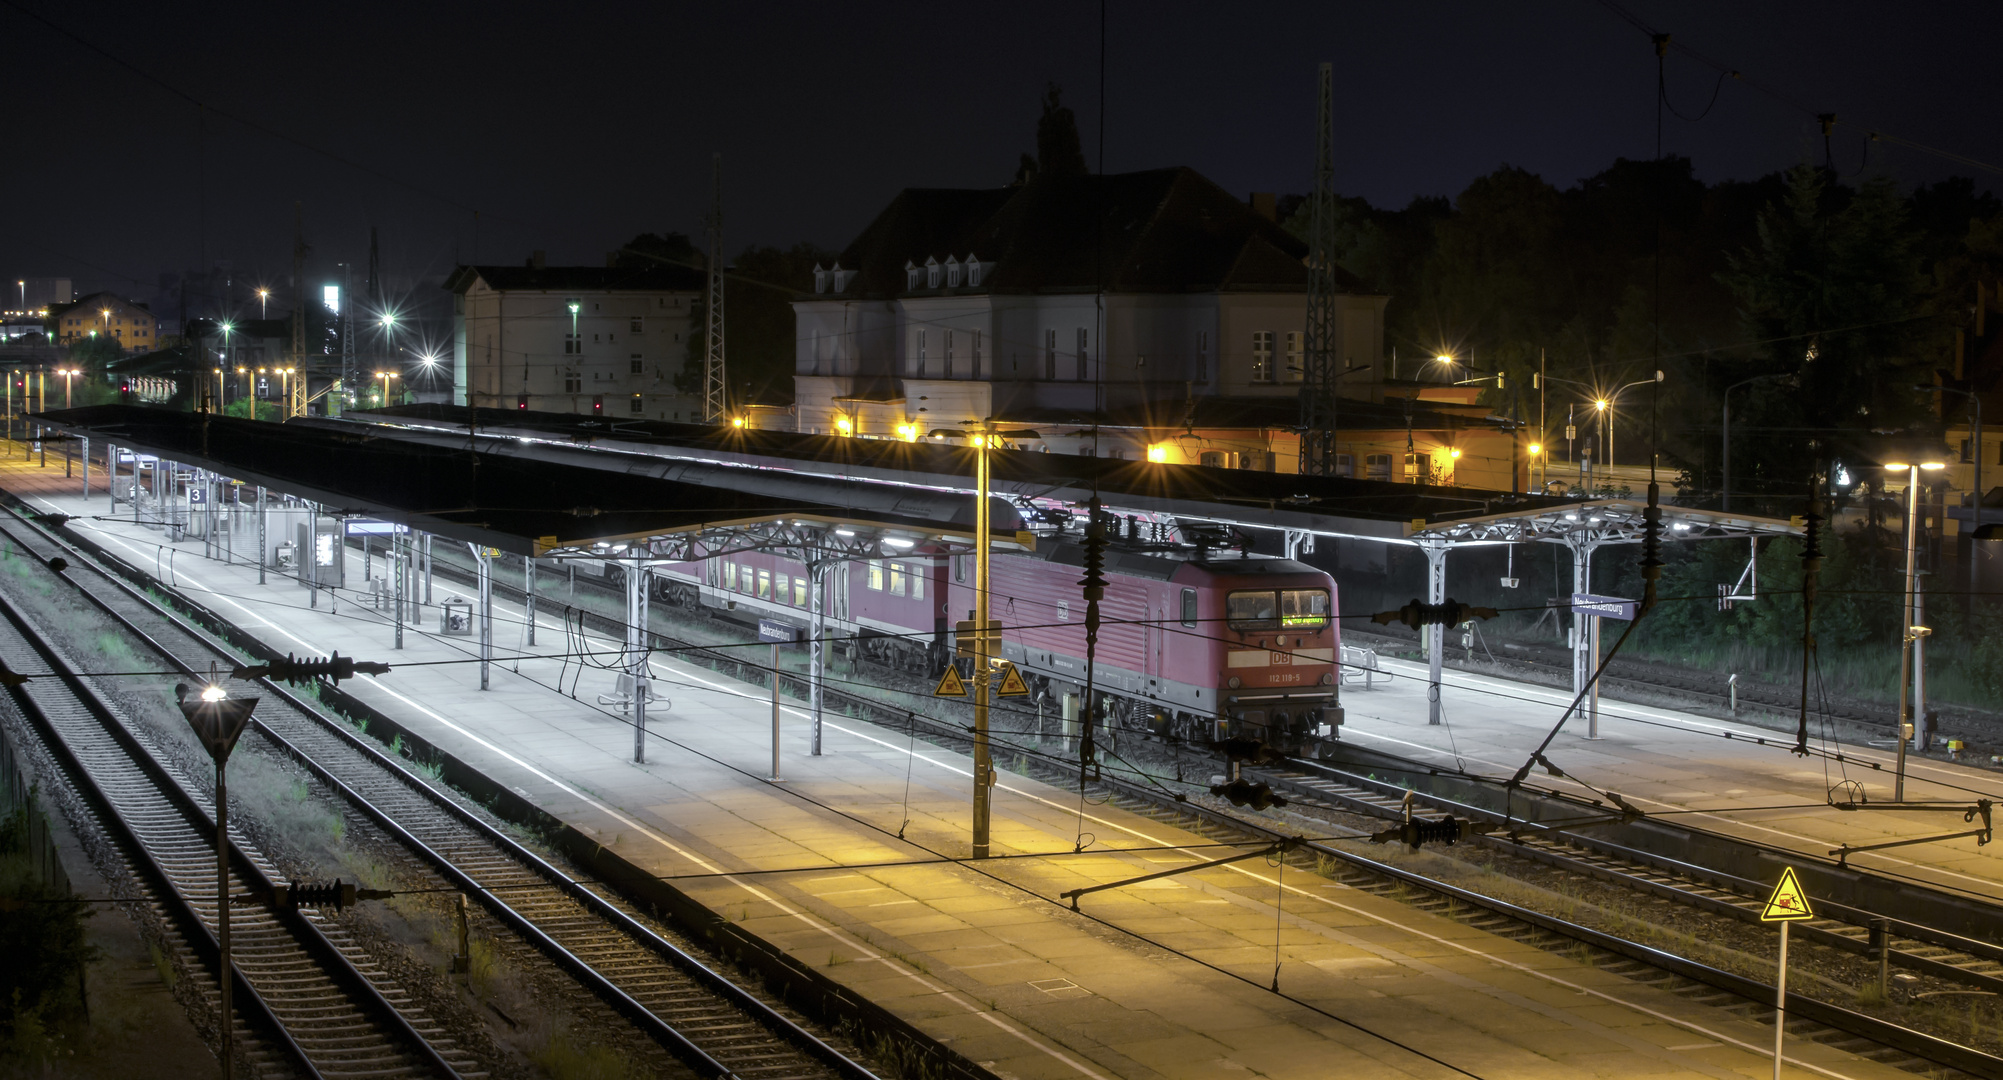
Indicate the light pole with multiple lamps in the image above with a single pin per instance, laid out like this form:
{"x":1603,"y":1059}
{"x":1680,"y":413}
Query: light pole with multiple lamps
{"x":69,"y":373}
{"x":387,"y":377}
{"x":1910,"y":632}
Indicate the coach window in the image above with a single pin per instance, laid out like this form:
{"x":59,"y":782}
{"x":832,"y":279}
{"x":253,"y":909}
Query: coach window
{"x":799,"y":592}
{"x":730,"y":577}
{"x":960,"y":569}
{"x":1189,"y":607}
{"x":764,"y":584}
{"x":780,"y":587}
{"x":897,"y":579}
{"x":876,"y":576}
{"x":917,"y":573}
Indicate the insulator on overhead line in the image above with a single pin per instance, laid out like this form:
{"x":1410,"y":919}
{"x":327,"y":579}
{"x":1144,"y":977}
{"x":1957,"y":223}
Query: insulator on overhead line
{"x":1417,"y":613}
{"x":1446,"y":830}
{"x":1094,"y":580}
{"x":304,"y":669}
{"x":1247,"y":793}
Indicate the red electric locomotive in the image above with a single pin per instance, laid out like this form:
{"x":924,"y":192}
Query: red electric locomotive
{"x":1193,"y":644}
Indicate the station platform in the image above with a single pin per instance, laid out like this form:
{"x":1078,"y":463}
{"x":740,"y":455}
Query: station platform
{"x":1668,"y":761}
{"x":852,"y":864}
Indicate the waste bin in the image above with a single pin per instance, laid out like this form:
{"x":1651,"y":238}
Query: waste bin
{"x":455,"y":617}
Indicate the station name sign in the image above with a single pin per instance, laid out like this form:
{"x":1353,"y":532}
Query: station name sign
{"x":780,"y":633}
{"x":1609,"y":607}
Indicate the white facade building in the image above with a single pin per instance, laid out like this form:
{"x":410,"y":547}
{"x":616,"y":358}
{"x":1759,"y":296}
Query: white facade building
{"x":957,"y":305}
{"x":575,"y":339}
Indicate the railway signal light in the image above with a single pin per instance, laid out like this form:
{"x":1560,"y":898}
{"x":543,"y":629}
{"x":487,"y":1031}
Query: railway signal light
{"x":1247,"y":793}
{"x":1416,"y":614}
{"x":304,"y":669}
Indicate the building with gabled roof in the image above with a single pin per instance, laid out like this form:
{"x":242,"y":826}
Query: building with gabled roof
{"x":101,"y":314}
{"x":956,"y":305}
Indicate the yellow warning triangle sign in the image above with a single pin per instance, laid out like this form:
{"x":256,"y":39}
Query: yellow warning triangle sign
{"x":950,"y":684}
{"x":1788,"y":902}
{"x":1012,"y":684}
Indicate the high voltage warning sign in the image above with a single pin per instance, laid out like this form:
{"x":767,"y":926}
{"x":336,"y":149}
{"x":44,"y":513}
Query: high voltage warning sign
{"x":950,"y":684}
{"x":1788,"y":901}
{"x":1012,"y":684}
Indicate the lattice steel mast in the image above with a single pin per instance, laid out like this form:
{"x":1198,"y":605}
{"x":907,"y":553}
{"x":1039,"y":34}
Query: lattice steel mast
{"x":1318,"y":382}
{"x":715,"y":393}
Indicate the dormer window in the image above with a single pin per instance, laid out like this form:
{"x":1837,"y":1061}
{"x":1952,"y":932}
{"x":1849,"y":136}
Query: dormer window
{"x":913,"y":274}
{"x":952,"y":272}
{"x":931,"y":273}
{"x":841,"y":277}
{"x":974,"y":269}
{"x":821,"y":278}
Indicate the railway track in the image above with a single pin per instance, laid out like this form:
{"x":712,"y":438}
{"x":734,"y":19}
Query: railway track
{"x":702,"y":1017}
{"x":1912,"y":946}
{"x":309,"y":1000}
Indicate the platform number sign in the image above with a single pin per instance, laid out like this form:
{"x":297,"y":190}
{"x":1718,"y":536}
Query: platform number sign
{"x":1788,"y":902}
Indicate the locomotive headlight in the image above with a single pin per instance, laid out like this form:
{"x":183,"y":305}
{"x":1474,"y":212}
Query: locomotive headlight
{"x":1234,"y":682}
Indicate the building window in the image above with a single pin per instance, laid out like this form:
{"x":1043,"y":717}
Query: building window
{"x":573,"y":383}
{"x":639,"y":405}
{"x":949,"y":354}
{"x":1417,"y":466}
{"x":977,"y":354}
{"x":1345,"y":465}
{"x":952,"y":273}
{"x":921,"y":352}
{"x":1083,"y":340}
{"x":1189,"y":607}
{"x":636,"y":324}
{"x":1965,"y":458}
{"x":931,"y":274}
{"x":1378,"y":466}
{"x":639,"y":366}
{"x":1262,"y":356}
{"x":1050,"y":354}
{"x":1296,"y":360}
{"x":1216,"y":459}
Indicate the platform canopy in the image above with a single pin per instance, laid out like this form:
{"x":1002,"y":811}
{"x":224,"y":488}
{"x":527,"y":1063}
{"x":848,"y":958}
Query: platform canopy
{"x":1595,"y":522}
{"x":542,"y":508}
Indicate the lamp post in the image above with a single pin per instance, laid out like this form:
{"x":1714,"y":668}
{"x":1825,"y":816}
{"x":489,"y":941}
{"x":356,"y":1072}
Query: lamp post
{"x":1726,"y":502}
{"x":264,"y":303}
{"x":1606,"y":407}
{"x":219,"y":720}
{"x":1909,"y":633}
{"x":68,"y":373}
{"x":386,"y":377}
{"x":1975,"y":454}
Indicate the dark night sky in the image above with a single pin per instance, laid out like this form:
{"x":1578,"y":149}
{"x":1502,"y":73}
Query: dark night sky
{"x":573,"y":126}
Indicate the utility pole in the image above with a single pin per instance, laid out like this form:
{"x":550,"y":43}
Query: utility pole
{"x":715,"y":398}
{"x":295,"y":385}
{"x":377,"y":307}
{"x":1318,"y":382}
{"x":347,"y":329}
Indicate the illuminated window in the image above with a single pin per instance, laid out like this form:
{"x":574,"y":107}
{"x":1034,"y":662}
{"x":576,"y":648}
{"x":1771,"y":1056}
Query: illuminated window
{"x":730,"y":576}
{"x":897,"y":579}
{"x":1418,"y":467}
{"x":1262,"y":356}
{"x":800,"y":592}
{"x":764,"y":584}
{"x":780,"y":587}
{"x":876,"y":576}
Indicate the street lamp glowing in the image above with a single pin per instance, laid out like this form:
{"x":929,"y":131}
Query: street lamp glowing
{"x":844,"y":426}
{"x":1536,"y":448}
{"x":1443,"y":358}
{"x":263,"y":303}
{"x":1454,"y":453}
{"x":1158,"y":453}
{"x":908,"y":432}
{"x":1601,"y":404}
{"x":737,"y":421}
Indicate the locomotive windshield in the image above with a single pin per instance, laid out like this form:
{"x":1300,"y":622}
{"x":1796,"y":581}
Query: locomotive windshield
{"x":1265,"y":609}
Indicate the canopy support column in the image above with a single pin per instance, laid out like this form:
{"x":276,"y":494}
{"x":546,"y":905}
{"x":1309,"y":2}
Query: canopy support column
{"x":636,"y":653}
{"x":1436,"y":593}
{"x":529,"y":592}
{"x":486,"y":566}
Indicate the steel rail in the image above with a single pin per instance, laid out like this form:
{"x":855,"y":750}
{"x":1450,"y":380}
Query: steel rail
{"x":670,"y":1038}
